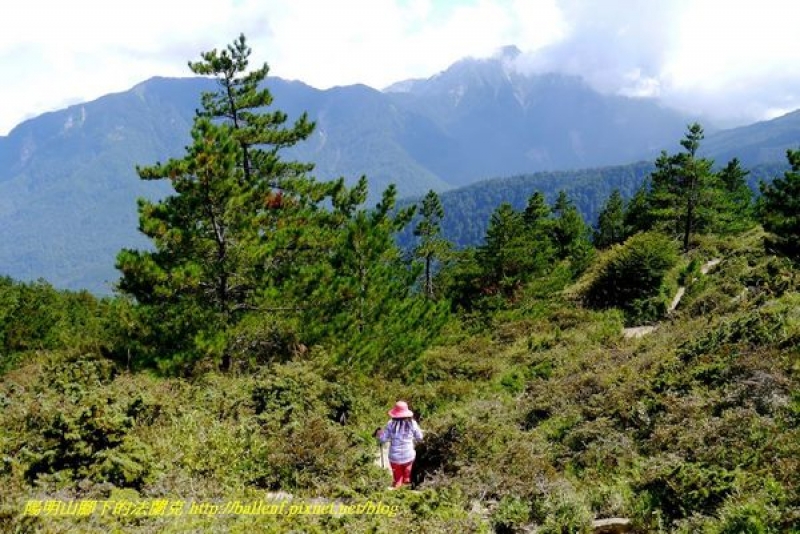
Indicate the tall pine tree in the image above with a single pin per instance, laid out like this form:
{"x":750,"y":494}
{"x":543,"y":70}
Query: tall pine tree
{"x":682,"y":197}
{"x":230,"y":229}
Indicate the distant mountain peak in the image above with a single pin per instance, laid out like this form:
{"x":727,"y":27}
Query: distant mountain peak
{"x":503,"y":56}
{"x":508,"y":52}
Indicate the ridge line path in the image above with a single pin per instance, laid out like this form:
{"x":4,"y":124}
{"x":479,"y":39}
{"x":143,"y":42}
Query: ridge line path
{"x":640,"y":331}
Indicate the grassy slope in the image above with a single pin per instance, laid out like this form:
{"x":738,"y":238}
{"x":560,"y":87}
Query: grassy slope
{"x":548,"y":417}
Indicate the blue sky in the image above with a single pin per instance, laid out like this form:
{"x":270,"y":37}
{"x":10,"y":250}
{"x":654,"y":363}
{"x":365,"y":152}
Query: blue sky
{"x":735,"y":61}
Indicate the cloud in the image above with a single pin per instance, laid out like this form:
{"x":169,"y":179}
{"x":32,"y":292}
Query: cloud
{"x":734,"y":62}
{"x":55,"y":53}
{"x":613,"y":45}
{"x":379,"y":42}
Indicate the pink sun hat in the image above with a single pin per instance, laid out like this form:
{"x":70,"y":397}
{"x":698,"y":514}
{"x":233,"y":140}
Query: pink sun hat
{"x":400,"y":411}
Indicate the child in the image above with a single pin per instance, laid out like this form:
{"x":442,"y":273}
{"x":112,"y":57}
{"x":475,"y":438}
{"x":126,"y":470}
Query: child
{"x":402,"y":431}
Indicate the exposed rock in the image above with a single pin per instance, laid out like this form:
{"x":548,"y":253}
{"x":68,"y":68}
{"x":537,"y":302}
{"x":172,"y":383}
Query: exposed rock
{"x":611,"y":525}
{"x":637,"y":331}
{"x":278,"y":496}
{"x":709,"y":265}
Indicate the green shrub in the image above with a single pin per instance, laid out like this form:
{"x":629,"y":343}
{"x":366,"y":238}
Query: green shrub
{"x":760,"y":327}
{"x":745,"y":518}
{"x":89,"y":440}
{"x":287,"y":392}
{"x":680,"y":488}
{"x":511,"y":514}
{"x":126,"y":466}
{"x":630,"y":276}
{"x":316,"y":453}
{"x":565,"y":512}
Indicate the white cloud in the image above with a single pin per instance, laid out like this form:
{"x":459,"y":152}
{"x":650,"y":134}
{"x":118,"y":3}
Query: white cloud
{"x":379,"y":42}
{"x":727,"y":59}
{"x":731,"y":61}
{"x":54,"y":53}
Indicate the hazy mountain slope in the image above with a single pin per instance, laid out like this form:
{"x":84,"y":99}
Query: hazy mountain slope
{"x":68,"y":185}
{"x":359,"y":131}
{"x":501,"y":122}
{"x":762,"y":142}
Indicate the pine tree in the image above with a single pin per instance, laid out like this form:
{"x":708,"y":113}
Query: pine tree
{"x":568,"y":226}
{"x":571,"y":235}
{"x":505,"y":255}
{"x":696,"y":182}
{"x":230,"y":231}
{"x":780,"y":209}
{"x":462,"y":279}
{"x":663,"y":202}
{"x":537,"y":212}
{"x":611,"y":222}
{"x":431,"y":246}
{"x":241,"y":103}
{"x":363,"y":303}
{"x":638,"y":212}
{"x":538,"y":227}
{"x":682,"y":198}
{"x":735,"y":203}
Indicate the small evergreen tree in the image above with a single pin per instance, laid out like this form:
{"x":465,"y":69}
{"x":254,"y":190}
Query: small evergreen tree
{"x":570,"y":233}
{"x":537,"y":212}
{"x":362,"y":302}
{"x":431,"y":246}
{"x":735,"y":203}
{"x":462,"y":279}
{"x":638,"y":213}
{"x":611,"y":222}
{"x":568,"y":226}
{"x":505,"y":256}
{"x":538,"y":224}
{"x":780,"y":209}
{"x":629,"y":276}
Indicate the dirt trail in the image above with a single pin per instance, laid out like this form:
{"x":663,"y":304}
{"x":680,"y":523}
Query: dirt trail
{"x":639,"y":331}
{"x":677,"y":299}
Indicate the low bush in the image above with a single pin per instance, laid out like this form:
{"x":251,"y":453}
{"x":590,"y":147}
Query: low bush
{"x":630,"y":277}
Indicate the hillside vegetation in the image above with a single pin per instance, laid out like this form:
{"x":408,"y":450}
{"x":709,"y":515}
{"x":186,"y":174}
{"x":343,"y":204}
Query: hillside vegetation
{"x":254,"y":347}
{"x":546,"y":417}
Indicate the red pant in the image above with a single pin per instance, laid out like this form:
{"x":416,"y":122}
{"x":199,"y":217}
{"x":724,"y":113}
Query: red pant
{"x":401,"y":473}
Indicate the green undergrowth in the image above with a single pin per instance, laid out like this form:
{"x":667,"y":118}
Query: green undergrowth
{"x":542,"y":419}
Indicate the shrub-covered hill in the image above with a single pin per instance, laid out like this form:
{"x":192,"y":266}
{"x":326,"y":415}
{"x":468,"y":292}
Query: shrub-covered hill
{"x":539,"y":418}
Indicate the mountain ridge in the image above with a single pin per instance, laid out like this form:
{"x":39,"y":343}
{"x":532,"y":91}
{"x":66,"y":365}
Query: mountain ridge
{"x":68,"y":183}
